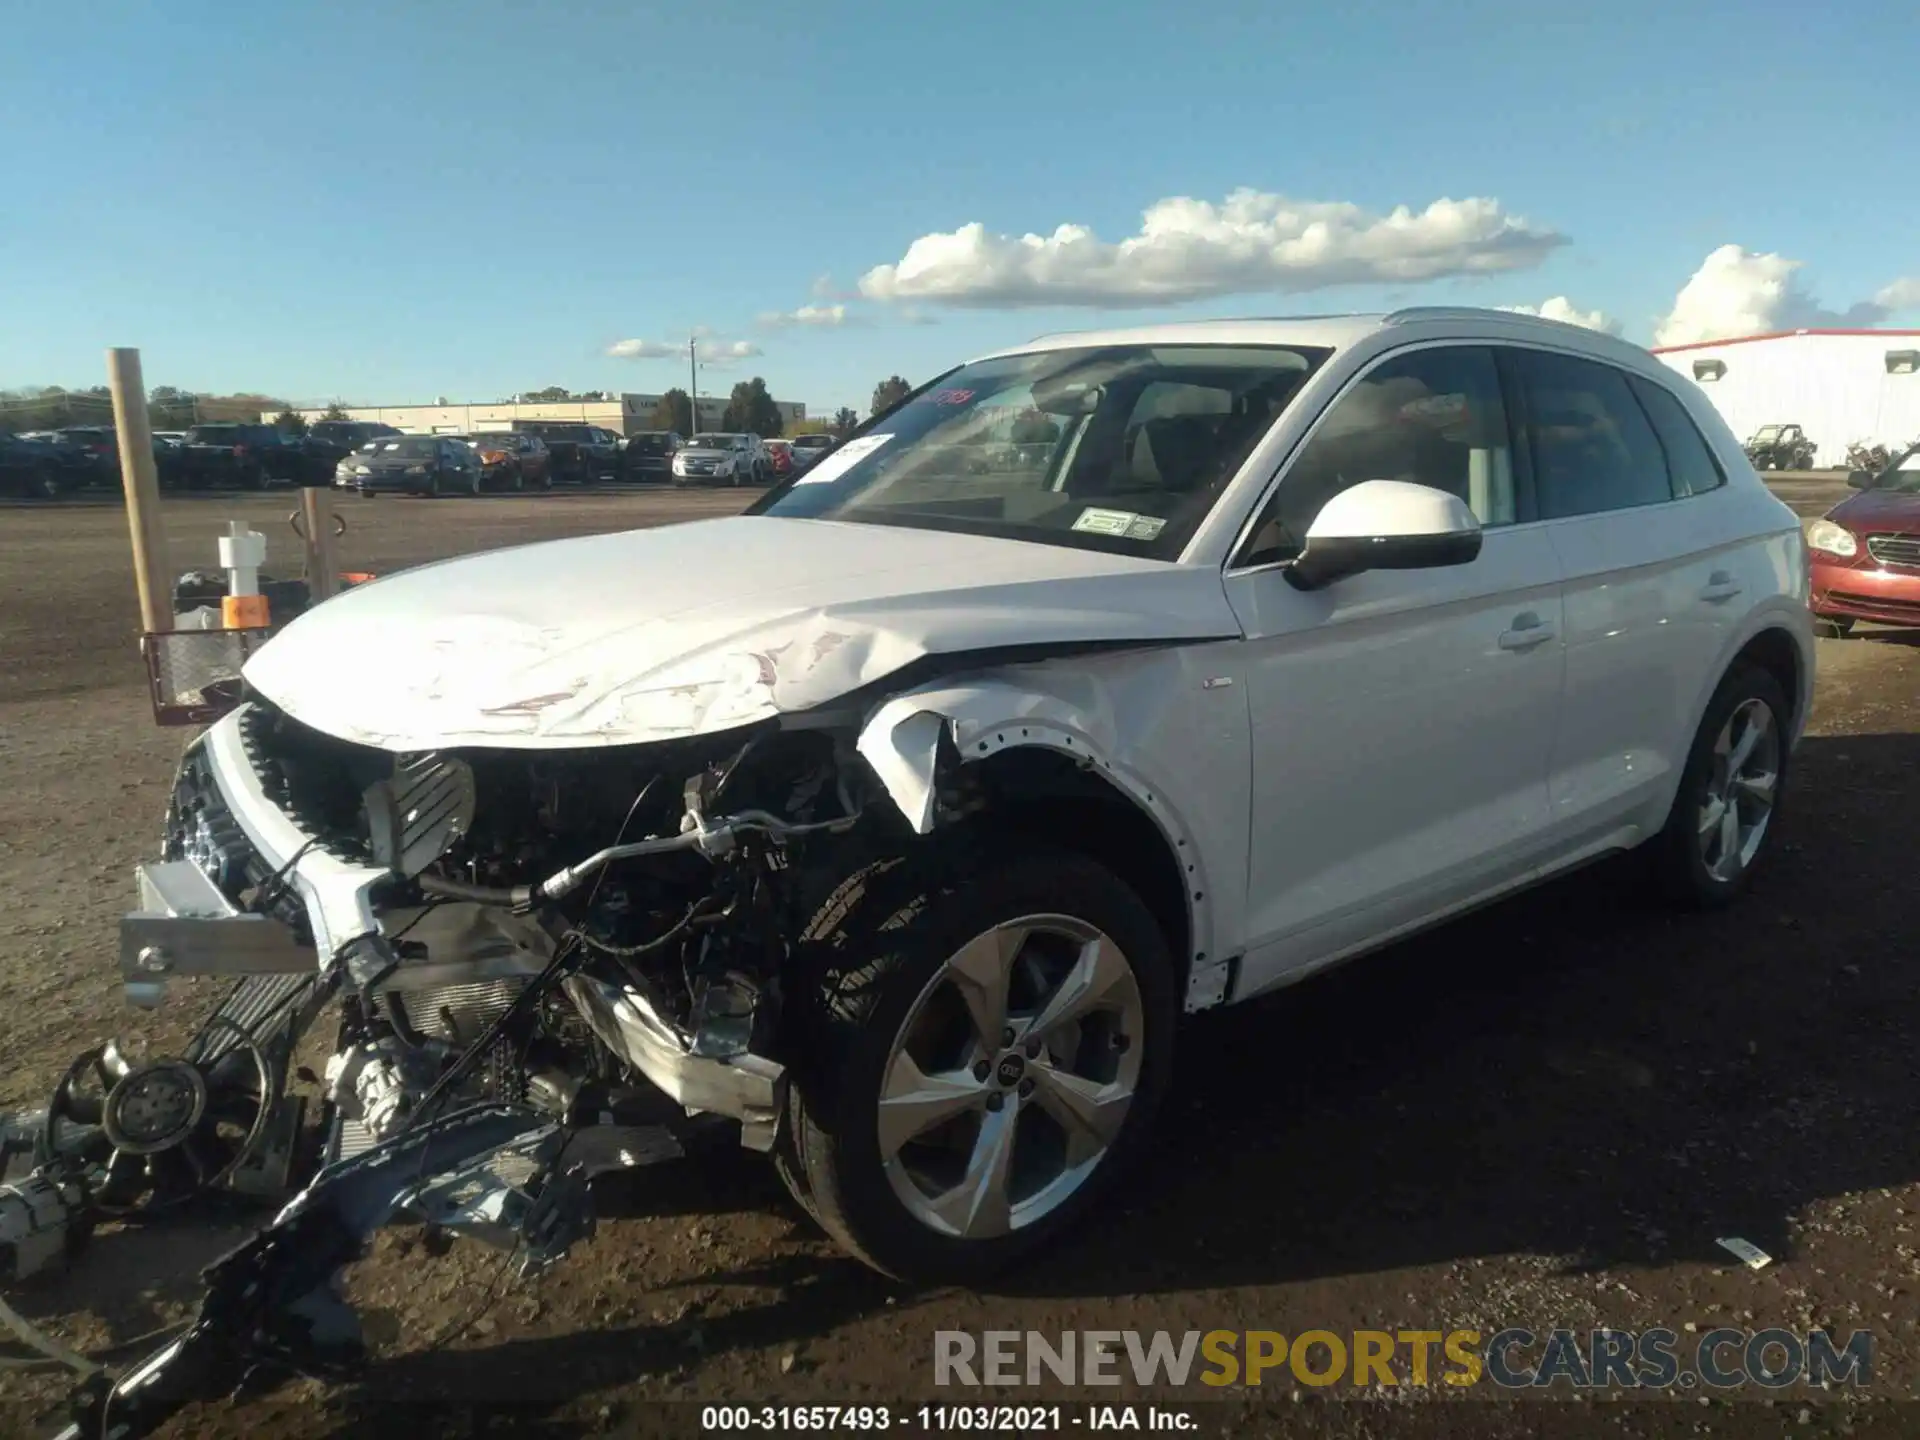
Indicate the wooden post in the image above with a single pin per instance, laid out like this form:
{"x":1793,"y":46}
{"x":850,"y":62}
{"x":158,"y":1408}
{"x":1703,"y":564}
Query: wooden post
{"x":316,"y":519}
{"x":152,"y":576}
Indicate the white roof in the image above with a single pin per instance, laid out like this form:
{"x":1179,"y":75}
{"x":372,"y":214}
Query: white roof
{"x":1340,"y":331}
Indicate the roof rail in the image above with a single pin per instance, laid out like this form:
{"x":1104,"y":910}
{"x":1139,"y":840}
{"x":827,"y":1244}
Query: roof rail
{"x":1519,"y":318}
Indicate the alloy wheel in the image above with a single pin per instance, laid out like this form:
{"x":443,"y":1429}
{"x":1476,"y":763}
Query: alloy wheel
{"x":1741,"y":788}
{"x":1011,"y":1077}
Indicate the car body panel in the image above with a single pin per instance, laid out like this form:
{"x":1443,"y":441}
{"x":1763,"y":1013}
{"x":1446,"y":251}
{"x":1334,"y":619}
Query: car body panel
{"x":1154,"y":723}
{"x":693,"y":628}
{"x":1880,"y":581}
{"x":1376,"y":830}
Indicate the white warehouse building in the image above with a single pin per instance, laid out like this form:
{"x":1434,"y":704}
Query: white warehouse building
{"x":1839,"y":386}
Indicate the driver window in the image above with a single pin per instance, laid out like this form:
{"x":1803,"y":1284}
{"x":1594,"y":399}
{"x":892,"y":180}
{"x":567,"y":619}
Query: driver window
{"x":1433,"y":417}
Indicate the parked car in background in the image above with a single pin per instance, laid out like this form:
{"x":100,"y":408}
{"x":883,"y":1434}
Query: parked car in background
{"x":1865,"y":551}
{"x":512,"y":461}
{"x":807,"y":449}
{"x":30,"y":465}
{"x":722,"y":458}
{"x":779,"y":457}
{"x":648,"y":455}
{"x":244,"y":456}
{"x":431,"y":465}
{"x":101,"y":446}
{"x":582,"y":453}
{"x":331,"y":441}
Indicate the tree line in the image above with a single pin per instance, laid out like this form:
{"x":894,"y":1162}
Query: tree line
{"x":750,"y":407}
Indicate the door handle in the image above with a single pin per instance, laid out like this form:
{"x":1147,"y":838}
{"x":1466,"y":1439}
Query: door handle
{"x":1528,"y":631}
{"x":1720,"y":586}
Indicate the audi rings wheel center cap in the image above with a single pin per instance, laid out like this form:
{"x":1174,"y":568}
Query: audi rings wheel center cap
{"x":1010,"y":1070}
{"x":155,"y":1108}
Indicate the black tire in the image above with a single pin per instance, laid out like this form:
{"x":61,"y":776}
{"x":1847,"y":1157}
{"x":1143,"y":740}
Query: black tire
{"x":1678,"y":866}
{"x":865,"y":961}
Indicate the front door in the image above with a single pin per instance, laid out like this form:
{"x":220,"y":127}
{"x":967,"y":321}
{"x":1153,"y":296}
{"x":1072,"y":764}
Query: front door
{"x":1402,"y":721}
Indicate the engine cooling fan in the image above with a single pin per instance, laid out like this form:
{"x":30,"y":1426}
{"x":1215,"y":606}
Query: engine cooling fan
{"x":160,"y":1132}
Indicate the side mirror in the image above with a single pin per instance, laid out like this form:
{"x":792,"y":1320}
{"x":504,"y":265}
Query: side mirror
{"x":1385,"y":525}
{"x":1860,"y":479}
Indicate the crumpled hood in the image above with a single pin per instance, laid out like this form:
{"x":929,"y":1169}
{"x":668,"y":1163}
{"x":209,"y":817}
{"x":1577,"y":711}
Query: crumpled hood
{"x":686,"y":629}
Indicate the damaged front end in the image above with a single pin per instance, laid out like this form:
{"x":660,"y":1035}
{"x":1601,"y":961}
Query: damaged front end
{"x":526,"y":955}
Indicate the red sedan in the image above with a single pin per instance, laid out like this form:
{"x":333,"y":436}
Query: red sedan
{"x":1865,"y":551}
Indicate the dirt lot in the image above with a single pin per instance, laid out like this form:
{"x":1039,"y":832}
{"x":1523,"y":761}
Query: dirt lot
{"x":1540,"y":1116}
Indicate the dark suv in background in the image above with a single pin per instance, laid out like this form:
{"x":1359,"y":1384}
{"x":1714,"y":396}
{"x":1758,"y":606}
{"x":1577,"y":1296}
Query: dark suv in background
{"x":328,"y":442}
{"x":245,"y":457}
{"x":649,"y":454}
{"x":575,"y":451}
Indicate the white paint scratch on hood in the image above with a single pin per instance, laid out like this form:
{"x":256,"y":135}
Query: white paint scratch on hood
{"x":688,"y":629}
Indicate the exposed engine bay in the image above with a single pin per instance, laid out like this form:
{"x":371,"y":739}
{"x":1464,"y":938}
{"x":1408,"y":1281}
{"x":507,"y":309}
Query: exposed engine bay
{"x":525,"y":969}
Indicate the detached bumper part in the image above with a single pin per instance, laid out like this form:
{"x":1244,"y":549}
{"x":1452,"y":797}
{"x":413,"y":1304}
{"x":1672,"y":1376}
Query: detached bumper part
{"x":504,"y":1174}
{"x":741,"y":1085}
{"x":186,"y":926}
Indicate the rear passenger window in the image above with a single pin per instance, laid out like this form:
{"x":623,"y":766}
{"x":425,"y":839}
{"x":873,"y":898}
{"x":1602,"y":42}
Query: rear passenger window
{"x":1593,"y":447}
{"x":1689,"y":462}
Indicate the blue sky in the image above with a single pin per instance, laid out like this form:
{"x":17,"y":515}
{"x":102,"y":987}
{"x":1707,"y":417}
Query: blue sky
{"x":388,"y":202}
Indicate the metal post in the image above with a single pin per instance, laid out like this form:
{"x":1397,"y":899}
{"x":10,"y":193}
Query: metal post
{"x":693,"y":393}
{"x":152,"y":577}
{"x":323,"y":572}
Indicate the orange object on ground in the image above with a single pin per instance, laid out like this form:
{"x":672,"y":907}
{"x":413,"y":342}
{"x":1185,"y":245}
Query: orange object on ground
{"x":243,"y":612}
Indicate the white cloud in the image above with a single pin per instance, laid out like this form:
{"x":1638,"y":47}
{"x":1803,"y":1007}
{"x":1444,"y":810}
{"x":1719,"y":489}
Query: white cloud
{"x":1740,"y":292}
{"x":713,"y":352}
{"x":1194,"y":249}
{"x":1902,"y":294}
{"x":813,"y":316}
{"x":1564,"y":310}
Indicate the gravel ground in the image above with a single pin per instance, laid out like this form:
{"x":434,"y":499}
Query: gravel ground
{"x":1542,"y":1115}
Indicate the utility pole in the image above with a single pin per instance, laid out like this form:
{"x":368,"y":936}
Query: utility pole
{"x":693,"y":381}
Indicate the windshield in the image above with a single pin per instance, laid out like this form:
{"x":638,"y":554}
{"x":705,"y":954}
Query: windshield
{"x":712,"y":442}
{"x":649,"y":444}
{"x":812,"y":442}
{"x":1122,"y":448}
{"x":1766,"y":433}
{"x":492,"y":441}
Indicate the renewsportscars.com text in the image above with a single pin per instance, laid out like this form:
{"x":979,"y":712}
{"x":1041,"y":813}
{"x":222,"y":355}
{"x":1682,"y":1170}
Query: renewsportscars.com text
{"x":1657,"y":1358}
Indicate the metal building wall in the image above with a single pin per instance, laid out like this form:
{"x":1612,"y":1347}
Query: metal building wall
{"x":1834,"y":386}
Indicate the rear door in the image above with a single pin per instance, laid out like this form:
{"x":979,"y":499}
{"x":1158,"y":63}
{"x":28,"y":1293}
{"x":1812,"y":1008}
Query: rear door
{"x":1649,"y":552}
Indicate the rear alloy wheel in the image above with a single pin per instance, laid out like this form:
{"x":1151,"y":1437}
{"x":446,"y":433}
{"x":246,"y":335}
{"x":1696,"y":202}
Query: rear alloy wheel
{"x":1730,"y":791}
{"x":979,"y":1061}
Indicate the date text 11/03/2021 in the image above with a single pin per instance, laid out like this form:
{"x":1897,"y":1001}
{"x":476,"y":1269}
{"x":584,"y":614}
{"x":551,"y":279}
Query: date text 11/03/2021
{"x":1020,"y":1419}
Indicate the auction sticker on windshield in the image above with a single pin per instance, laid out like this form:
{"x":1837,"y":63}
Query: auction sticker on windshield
{"x":1124,"y":523}
{"x":843,"y":460}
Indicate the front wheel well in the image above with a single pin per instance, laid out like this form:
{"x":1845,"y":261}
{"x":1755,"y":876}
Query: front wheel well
{"x":1044,"y":794}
